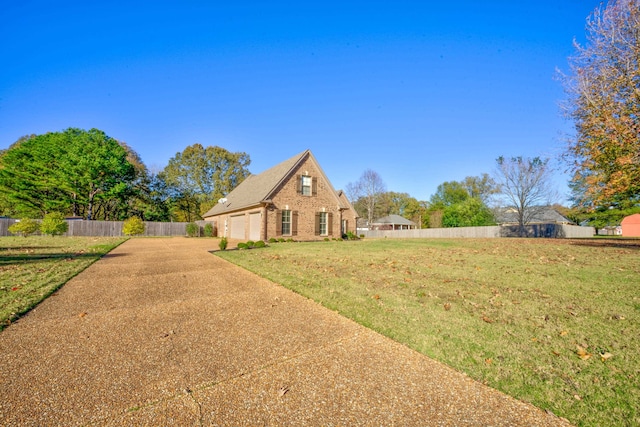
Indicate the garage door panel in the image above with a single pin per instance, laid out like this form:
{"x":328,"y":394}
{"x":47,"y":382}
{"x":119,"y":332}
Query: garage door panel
{"x":237,"y":227}
{"x":254,"y":226}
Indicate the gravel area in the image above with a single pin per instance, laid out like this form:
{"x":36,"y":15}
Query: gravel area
{"x":161,"y":332}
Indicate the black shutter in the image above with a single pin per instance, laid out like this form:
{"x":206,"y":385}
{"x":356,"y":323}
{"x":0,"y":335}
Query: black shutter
{"x":299,"y":184}
{"x":330,"y":224}
{"x":314,"y":186}
{"x":294,"y":223}
{"x":317,"y":231}
{"x":278,"y":222}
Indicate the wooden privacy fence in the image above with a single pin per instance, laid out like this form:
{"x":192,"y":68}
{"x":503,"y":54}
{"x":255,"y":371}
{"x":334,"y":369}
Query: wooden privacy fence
{"x":112,"y":228}
{"x":533,"y":230}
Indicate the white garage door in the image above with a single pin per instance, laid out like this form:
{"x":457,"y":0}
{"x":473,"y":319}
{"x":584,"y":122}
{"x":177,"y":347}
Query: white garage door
{"x":254,"y":226}
{"x":237,"y":227}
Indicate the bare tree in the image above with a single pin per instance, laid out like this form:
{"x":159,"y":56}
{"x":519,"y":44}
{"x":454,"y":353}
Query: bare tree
{"x":368,"y":187}
{"x":525,"y":186}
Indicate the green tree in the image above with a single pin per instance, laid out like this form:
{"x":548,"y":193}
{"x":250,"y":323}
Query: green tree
{"x":69,"y":171}
{"x":471,"y":212}
{"x":449,"y":193}
{"x":24,"y":227}
{"x":53,"y":224}
{"x":480,"y":187}
{"x":133,"y":226}
{"x":604,"y":103}
{"x":197,"y":177}
{"x":462,"y":203}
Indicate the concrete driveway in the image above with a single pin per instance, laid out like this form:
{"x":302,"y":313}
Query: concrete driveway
{"x":161,"y":332}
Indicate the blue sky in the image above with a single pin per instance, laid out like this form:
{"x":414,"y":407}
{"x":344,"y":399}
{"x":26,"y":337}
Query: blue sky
{"x":422,"y":92}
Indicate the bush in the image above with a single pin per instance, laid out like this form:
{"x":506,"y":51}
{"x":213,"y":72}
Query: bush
{"x":208,"y":230}
{"x":362,"y":236}
{"x":281,"y":240}
{"x":223,"y":244}
{"x":259,"y":244}
{"x":24,"y":227}
{"x":273,"y":240}
{"x":250,"y":243}
{"x":133,"y":226}
{"x":242,"y":245}
{"x":351,"y":235}
{"x":290,"y":240}
{"x":53,"y":224}
{"x":193,"y":230}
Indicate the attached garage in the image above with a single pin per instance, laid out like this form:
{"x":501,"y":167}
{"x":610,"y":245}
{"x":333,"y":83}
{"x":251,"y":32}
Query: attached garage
{"x":237,"y":227}
{"x":631,"y":226}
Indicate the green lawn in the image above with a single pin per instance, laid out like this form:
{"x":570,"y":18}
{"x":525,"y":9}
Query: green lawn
{"x":551,"y":322}
{"x":32,"y":268}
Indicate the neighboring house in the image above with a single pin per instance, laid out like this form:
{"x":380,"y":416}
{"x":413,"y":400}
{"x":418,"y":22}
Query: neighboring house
{"x":631,"y":225}
{"x":537,"y":215}
{"x":393,"y":222}
{"x":293,"y":199}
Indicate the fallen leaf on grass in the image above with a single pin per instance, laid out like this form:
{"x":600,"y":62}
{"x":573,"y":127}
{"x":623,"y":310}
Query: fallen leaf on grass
{"x":563,"y":333}
{"x":376,"y":296}
{"x":447,"y":306}
{"x":486,"y":319}
{"x":488,"y":361}
{"x":84,"y":313}
{"x":605,"y":356}
{"x":582,"y":353}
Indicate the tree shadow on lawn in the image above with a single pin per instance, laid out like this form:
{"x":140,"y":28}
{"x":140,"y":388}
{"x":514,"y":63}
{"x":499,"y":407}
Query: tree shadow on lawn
{"x":24,"y":259}
{"x":619,"y":243}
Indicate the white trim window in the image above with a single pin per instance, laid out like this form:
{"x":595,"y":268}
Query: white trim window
{"x":286,"y":223}
{"x":306,"y":185}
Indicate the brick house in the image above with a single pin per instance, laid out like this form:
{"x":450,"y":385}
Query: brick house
{"x":293,"y":199}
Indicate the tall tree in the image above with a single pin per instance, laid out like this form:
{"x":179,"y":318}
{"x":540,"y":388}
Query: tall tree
{"x":525,"y":186}
{"x":65,"y":171}
{"x":198,"y":176}
{"x":449,"y":193}
{"x":604,"y":103}
{"x":480,"y":187}
{"x":369,"y":187}
{"x":462,"y":203}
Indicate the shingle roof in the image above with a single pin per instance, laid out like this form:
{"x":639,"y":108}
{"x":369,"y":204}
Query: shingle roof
{"x":539,"y":214}
{"x":394,"y":219}
{"x":256,"y":188}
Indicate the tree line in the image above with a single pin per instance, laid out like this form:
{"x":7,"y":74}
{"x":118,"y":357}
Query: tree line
{"x":91,"y":175}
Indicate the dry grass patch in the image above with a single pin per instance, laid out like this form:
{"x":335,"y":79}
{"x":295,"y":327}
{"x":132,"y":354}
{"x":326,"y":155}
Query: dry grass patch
{"x":32,"y":268}
{"x":552,"y":322}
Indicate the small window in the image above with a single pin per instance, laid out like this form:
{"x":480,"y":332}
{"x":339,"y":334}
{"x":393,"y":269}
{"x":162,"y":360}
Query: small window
{"x":306,"y":185}
{"x":286,"y":223}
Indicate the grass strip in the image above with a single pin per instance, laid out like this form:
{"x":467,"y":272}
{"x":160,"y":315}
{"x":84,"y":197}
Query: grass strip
{"x":551,"y":322}
{"x":34,"y":267}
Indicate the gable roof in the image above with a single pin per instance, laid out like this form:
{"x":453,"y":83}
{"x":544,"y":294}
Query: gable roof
{"x":256,"y":189}
{"x":394,"y":219}
{"x":539,"y":214}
